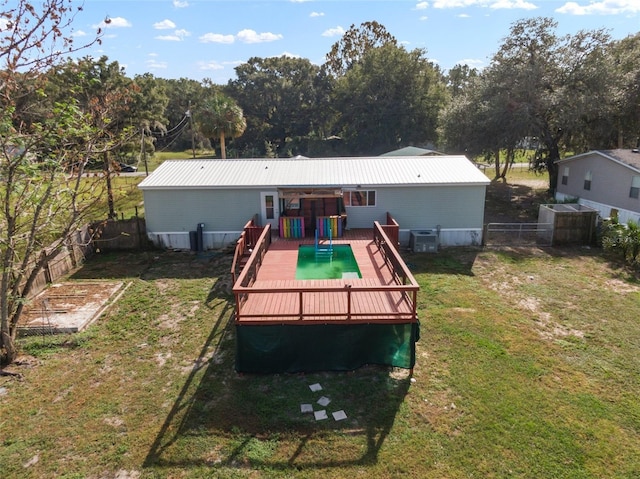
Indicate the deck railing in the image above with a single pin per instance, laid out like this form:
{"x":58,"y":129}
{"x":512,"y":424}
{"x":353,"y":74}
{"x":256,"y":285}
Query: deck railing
{"x":392,"y":229}
{"x":293,"y":298}
{"x":249,"y":273}
{"x":391,"y":256}
{"x":249,"y":238}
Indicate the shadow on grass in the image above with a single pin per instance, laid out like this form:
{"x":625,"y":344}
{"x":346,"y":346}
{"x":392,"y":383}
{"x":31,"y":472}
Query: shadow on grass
{"x":224,"y":420}
{"x":150,"y":265}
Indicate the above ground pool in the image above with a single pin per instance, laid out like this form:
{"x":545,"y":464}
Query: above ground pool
{"x":338,"y":263}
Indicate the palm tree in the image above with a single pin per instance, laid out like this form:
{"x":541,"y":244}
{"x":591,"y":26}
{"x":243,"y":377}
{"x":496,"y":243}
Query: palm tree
{"x":220,"y":117}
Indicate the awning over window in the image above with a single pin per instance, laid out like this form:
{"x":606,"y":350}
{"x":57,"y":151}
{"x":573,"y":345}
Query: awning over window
{"x":297,"y":193}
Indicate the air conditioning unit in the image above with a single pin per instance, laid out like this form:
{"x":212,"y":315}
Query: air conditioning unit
{"x":425,"y":241}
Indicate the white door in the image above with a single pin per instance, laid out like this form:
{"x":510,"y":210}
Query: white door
{"x":269,"y":209}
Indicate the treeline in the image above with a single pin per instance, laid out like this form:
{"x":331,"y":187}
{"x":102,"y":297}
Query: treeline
{"x":557,"y":93}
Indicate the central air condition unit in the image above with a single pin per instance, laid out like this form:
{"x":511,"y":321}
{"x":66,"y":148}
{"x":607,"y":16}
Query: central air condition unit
{"x":425,"y":241}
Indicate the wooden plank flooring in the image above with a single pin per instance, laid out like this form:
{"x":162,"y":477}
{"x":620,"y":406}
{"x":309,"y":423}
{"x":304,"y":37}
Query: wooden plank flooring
{"x":277,"y":274}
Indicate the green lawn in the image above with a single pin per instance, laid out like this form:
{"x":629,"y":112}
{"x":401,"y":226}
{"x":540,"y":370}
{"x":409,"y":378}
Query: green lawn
{"x":527,"y":366}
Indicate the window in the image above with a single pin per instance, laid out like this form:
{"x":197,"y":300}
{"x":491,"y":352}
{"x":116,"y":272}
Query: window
{"x":565,"y":175}
{"x":269,"y":207}
{"x":587,"y":180}
{"x":635,"y":187}
{"x":359,"y":198}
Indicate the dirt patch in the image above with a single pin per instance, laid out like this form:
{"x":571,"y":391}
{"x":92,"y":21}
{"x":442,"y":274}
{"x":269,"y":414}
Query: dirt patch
{"x":516,"y":202}
{"x":67,"y":307}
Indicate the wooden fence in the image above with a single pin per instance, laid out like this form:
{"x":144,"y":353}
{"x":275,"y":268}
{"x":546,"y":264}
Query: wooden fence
{"x":110,"y":235}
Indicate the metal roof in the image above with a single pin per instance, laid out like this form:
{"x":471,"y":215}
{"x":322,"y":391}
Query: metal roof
{"x":411,"y":151}
{"x":629,"y":158}
{"x":290,"y":172}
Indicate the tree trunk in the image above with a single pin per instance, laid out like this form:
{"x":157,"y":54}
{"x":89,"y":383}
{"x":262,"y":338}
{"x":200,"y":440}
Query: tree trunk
{"x":507,"y":164}
{"x":499,"y":173}
{"x":107,"y":174}
{"x":7,"y":344}
{"x":223,"y":149}
{"x":552,"y":167}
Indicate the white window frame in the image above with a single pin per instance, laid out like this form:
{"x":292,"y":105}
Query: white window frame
{"x":634,"y":191}
{"x":370,"y":198}
{"x":588,"y":177}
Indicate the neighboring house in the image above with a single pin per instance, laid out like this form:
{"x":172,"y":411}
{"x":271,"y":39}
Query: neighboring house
{"x":424,"y":192}
{"x":412,"y":151}
{"x":606,"y":180}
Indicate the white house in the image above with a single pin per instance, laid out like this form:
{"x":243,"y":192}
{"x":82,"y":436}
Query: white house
{"x":420,"y":192}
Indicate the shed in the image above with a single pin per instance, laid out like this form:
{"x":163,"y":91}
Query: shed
{"x":571,"y":223}
{"x":420,"y":192}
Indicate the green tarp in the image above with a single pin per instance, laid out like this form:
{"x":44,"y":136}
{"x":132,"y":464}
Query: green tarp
{"x":291,"y":348}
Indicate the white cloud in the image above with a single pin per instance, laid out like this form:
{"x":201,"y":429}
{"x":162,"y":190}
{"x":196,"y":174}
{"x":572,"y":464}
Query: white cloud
{"x":164,"y":25}
{"x":77,"y":33}
{"x":153,"y":64}
{"x":423,"y":18}
{"x":421,"y":6}
{"x":316,"y":14}
{"x":3,"y":23}
{"x":251,"y":36}
{"x":168,"y":38}
{"x":180,"y":3}
{"x":456,"y":3}
{"x":208,"y":66}
{"x":289,"y":55}
{"x":494,"y":4}
{"x":115,"y":22}
{"x":177,"y":36}
{"x":513,"y":4}
{"x":216,"y":38}
{"x":333,"y":32}
{"x":602,"y":7}
{"x":244,"y":36}
{"x":464,"y":15}
{"x":472,"y":62}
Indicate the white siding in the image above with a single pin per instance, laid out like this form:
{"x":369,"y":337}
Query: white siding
{"x":425,"y":208}
{"x":182,"y":210}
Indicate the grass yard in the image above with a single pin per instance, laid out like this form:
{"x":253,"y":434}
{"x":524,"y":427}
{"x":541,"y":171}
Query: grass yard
{"x":527,"y":367}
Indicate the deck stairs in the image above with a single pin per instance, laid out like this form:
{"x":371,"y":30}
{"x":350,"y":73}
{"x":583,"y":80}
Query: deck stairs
{"x":245,"y":257}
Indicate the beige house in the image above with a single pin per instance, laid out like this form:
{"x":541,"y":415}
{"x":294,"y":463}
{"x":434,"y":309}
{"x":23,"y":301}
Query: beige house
{"x":606,"y":180}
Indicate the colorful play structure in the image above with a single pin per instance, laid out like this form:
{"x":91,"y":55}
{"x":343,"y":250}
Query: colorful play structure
{"x":291,"y":227}
{"x":326,"y":226}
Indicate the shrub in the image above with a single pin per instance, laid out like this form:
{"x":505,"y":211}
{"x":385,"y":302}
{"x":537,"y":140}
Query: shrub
{"x":622,"y":239}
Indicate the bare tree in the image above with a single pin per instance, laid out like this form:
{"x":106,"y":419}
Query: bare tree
{"x":44,"y":147}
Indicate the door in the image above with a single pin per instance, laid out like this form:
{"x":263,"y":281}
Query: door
{"x":269,"y":208}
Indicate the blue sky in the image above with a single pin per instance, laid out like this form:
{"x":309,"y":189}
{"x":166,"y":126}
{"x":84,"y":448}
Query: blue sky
{"x":200,"y":39}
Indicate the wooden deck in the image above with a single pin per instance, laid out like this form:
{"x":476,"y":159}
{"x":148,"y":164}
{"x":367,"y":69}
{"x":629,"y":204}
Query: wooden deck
{"x":276,"y":296}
